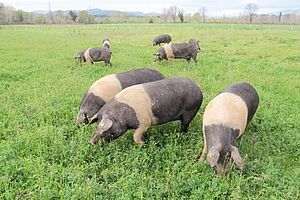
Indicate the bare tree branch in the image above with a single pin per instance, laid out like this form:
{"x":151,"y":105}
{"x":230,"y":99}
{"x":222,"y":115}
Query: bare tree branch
{"x":251,"y":9}
{"x":202,"y":13}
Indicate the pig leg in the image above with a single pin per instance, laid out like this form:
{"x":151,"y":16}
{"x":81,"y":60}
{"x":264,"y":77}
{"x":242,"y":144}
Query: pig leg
{"x":204,"y":151}
{"x":195,"y":58}
{"x":184,"y":125}
{"x":138,"y":134}
{"x":188,"y":60}
{"x":186,"y":118}
{"x":106,"y":62}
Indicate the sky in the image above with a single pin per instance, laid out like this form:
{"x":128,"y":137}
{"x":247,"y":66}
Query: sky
{"x":214,"y":7}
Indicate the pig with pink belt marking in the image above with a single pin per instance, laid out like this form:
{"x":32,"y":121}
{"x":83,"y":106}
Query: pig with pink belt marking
{"x":104,"y":89}
{"x":186,"y":51}
{"x":224,"y":120}
{"x":141,"y":106}
{"x":96,"y":54}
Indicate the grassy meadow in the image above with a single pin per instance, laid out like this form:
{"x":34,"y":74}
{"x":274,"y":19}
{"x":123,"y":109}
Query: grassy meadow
{"x":45,"y":155}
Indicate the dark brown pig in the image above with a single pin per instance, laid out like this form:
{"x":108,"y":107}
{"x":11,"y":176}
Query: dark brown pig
{"x":140,"y":106}
{"x":165,"y":38}
{"x":96,"y":54}
{"x":186,"y":51}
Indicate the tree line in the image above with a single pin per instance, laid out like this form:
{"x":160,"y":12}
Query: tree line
{"x":10,"y":15}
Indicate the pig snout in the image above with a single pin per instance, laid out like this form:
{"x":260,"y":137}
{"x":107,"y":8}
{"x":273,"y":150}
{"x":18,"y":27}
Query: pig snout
{"x":156,"y":57}
{"x":95,"y":138}
{"x":82,"y":118}
{"x":222,"y":170}
{"x":101,"y":136}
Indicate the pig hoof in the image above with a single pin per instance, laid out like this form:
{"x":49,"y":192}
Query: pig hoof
{"x":201,"y":159}
{"x":92,"y":143}
{"x":140,"y":142}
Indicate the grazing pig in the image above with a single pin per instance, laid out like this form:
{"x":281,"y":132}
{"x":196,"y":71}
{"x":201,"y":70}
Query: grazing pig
{"x":107,"y":87}
{"x":161,"y":39}
{"x":182,"y":51}
{"x":225,"y":119}
{"x":106,"y":43}
{"x":92,"y":55}
{"x":140,"y":106}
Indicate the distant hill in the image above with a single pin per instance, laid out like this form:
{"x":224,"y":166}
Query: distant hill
{"x":104,"y":13}
{"x":107,"y":13}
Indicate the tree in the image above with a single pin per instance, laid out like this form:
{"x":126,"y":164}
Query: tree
{"x":83,"y":17}
{"x":251,"y":9}
{"x":73,"y":15}
{"x":279,"y":18}
{"x":189,"y":18}
{"x":196,"y":17}
{"x":165,"y":14}
{"x":40,"y":19}
{"x":117,"y":17}
{"x":180,"y":15}
{"x":173,"y":12}
{"x":21,"y":16}
{"x":202,"y":13}
{"x":2,"y":13}
{"x":59,"y":17}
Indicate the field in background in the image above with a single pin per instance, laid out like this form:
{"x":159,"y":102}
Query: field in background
{"x":45,"y":155}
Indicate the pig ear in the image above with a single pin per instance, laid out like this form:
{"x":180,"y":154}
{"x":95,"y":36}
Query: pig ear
{"x":105,"y":124}
{"x":213,"y":157}
{"x":235,"y":155}
{"x":94,"y":119}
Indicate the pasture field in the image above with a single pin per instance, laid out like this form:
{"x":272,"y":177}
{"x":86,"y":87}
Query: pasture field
{"x":45,"y":155}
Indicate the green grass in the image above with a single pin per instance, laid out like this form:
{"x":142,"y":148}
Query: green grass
{"x":44,"y":155}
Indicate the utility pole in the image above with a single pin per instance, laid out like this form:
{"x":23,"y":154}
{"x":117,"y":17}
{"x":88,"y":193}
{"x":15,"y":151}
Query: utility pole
{"x":50,"y":12}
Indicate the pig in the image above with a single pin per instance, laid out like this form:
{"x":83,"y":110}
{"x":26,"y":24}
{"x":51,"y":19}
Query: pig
{"x":140,"y":106}
{"x":92,"y":55}
{"x":224,"y":120}
{"x":165,"y":38}
{"x":186,"y":51}
{"x":107,"y":87}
